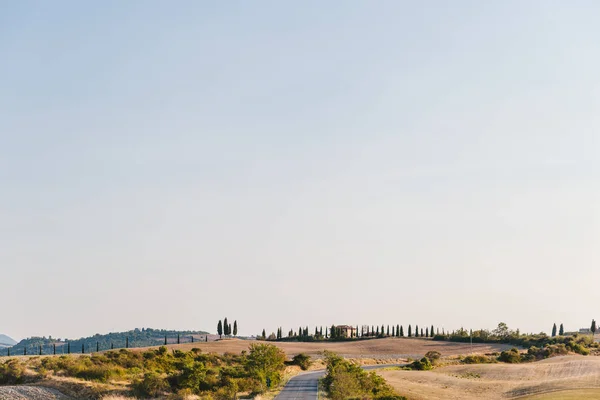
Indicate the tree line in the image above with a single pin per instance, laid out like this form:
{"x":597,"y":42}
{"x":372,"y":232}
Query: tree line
{"x":337,"y":332}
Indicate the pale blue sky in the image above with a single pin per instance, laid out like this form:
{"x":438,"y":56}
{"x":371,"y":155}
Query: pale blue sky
{"x":167,"y":164}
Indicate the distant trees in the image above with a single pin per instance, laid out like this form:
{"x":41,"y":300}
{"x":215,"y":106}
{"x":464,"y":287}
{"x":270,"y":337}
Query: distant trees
{"x":220,"y":329}
{"x":235,"y":329}
{"x":554,"y":330}
{"x":561,"y":330}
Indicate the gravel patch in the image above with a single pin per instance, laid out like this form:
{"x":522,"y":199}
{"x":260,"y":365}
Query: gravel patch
{"x":30,"y":393}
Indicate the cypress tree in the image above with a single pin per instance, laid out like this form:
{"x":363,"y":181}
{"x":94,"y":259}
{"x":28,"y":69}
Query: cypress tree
{"x":24,"y":351}
{"x":382,"y":331}
{"x":377,"y":330}
{"x":388,"y":331}
{"x":356,"y":330}
{"x":82,"y":348}
{"x":393,"y":330}
{"x":264,"y":334}
{"x":178,"y":339}
{"x":421,"y":332}
{"x":397,"y":330}
{"x":225,"y":327}
{"x":97,"y":347}
{"x":554,"y":330}
{"x":593,"y":327}
{"x":165,"y":340}
{"x":112,"y":346}
{"x":192,"y":338}
{"x":426,"y":332}
{"x":219,"y":330}
{"x":333,"y":332}
{"x":409,"y":331}
{"x":69,"y":348}
{"x":235,"y":329}
{"x":561,"y":331}
{"x":40,"y":349}
{"x":54,"y":351}
{"x":431,"y":331}
{"x":416,"y":330}
{"x":127,"y":342}
{"x":401,"y":331}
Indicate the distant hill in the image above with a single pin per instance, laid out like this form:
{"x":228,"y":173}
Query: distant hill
{"x":5,"y":341}
{"x":144,"y":337}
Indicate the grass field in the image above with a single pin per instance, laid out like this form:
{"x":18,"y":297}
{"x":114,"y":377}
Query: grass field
{"x":377,"y":349}
{"x":574,"y":376}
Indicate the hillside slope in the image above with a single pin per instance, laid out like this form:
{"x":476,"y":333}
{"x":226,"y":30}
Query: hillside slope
{"x":135,"y":338}
{"x":6,"y":341}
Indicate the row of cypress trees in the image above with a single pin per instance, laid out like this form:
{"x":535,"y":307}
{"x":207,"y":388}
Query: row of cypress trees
{"x":337,"y":332}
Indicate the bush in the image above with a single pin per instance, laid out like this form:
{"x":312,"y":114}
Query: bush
{"x":511,"y":356}
{"x":152,"y":385}
{"x":302,"y":360}
{"x":421,"y":365}
{"x":478,"y":359}
{"x":11,"y":372}
{"x":346,"y":381}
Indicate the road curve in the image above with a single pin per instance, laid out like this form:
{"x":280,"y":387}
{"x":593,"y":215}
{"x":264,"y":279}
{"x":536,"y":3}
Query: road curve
{"x":306,"y":386}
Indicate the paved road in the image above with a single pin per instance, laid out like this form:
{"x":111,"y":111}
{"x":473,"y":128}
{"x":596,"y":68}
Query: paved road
{"x":305,"y":386}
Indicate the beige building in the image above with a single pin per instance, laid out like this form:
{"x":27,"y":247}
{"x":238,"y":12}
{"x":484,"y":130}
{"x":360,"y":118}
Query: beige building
{"x":347,"y":331}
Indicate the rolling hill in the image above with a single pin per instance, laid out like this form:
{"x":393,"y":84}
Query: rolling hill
{"x":134,"y":338}
{"x":6,"y":341}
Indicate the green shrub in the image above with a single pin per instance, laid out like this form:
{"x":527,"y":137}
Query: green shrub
{"x":511,"y":356}
{"x":152,"y":385}
{"x":345,"y":381}
{"x":478,"y":359}
{"x":302,"y":360}
{"x":421,"y":365}
{"x":11,"y":372}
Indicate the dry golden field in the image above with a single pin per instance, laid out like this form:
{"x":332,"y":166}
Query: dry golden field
{"x":552,"y":379}
{"x":378,"y":349}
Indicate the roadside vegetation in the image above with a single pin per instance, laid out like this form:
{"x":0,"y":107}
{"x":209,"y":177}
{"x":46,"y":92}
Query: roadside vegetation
{"x":159,"y":373}
{"x":347,"y":381}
